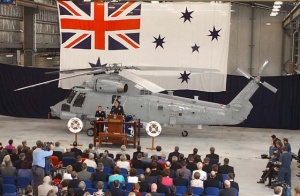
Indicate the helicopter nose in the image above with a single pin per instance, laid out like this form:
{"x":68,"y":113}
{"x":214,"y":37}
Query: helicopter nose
{"x":54,"y":111}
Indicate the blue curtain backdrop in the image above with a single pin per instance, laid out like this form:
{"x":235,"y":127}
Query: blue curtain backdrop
{"x":280,"y":110}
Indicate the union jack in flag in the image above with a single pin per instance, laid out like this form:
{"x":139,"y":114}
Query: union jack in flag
{"x":99,"y":25}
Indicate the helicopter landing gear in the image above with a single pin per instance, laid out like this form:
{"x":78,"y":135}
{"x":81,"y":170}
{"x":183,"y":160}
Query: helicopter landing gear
{"x":184,"y":133}
{"x":90,"y":132}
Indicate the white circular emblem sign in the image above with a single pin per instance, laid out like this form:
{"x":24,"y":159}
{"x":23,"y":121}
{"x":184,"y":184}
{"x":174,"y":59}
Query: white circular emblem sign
{"x":153,"y":129}
{"x":75,"y":125}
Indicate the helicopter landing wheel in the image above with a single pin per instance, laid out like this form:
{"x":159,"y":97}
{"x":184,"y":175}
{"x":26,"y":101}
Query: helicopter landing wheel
{"x":90,"y":132}
{"x":184,"y":133}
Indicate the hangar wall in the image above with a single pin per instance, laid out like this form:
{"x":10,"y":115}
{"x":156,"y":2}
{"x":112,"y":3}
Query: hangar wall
{"x":249,"y":47}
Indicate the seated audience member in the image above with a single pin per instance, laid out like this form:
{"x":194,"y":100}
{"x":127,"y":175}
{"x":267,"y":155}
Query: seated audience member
{"x":85,"y":153}
{"x":99,"y":175}
{"x":29,"y":190}
{"x":297,"y":191}
{"x":213,"y":158}
{"x":92,"y":149}
{"x":68,"y":153}
{"x":137,"y":163}
{"x":144,"y":187}
{"x":172,"y":191}
{"x":138,"y":150}
{"x":187,"y":173}
{"x":67,"y":175}
{"x":215,"y":168}
{"x":154,"y":190}
{"x":99,"y":186}
{"x":225,"y":168}
{"x":132,"y":178}
{"x":189,"y":192}
{"x":84,"y":174}
{"x":174,"y":164}
{"x":227,"y":189}
{"x":206,"y":166}
{"x":180,"y":181}
{"x":57,"y":180}
{"x":148,"y":177}
{"x":203,"y":174}
{"x":116,"y":191}
{"x":24,"y":171}
{"x":195,"y":152}
{"x":10,"y":146}
{"x":81,"y":189}
{"x":197,"y":159}
{"x":154,"y":160}
{"x":14,"y":156}
{"x":51,"y":193}
{"x":233,"y":184}
{"x":273,"y":147}
{"x":146,"y":160}
{"x":76,"y":150}
{"x":3,"y":152}
{"x":160,"y":187}
{"x":91,"y":162}
{"x":136,"y":189}
{"x":277,"y":191}
{"x":288,"y":145}
{"x":19,"y":162}
{"x":77,"y":166}
{"x":211,"y":181}
{"x":106,"y":161}
{"x":163,"y":159}
{"x":196,"y":182}
{"x":175,"y":153}
{"x":44,"y":188}
{"x":166,"y":180}
{"x":181,"y":158}
{"x":172,"y":172}
{"x":154,"y":170}
{"x":25,"y":147}
{"x":123,"y":163}
{"x":116,"y":176}
{"x":122,"y":151}
{"x":64,"y":187}
{"x":75,"y":181}
{"x":57,"y":147}
{"x":29,"y":157}
{"x":8,"y":169}
{"x":190,"y":163}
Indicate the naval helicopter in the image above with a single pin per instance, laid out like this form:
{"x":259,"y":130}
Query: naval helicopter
{"x":142,"y":99}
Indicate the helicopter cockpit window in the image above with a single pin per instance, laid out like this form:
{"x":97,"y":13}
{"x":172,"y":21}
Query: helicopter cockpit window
{"x":71,"y":96}
{"x":115,"y":97}
{"x":160,"y":107}
{"x":79,"y":100}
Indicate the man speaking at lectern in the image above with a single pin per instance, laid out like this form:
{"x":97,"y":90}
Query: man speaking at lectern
{"x":117,"y":109}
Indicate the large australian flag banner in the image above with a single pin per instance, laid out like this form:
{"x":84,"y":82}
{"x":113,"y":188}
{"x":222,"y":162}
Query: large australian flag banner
{"x":185,"y":35}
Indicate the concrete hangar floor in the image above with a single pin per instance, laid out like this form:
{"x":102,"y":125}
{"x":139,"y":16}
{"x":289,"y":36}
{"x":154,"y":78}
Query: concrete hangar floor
{"x":243,"y":146}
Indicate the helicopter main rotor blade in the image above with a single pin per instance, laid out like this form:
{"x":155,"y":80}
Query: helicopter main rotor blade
{"x":141,"y":81}
{"x":191,"y":69}
{"x":49,"y":81}
{"x":269,"y":86}
{"x":73,"y":70}
{"x":245,"y":74}
{"x":263,"y":67}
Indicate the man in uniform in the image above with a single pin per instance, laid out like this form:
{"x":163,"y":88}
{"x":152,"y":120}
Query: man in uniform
{"x":117,"y":108}
{"x":100,"y":115}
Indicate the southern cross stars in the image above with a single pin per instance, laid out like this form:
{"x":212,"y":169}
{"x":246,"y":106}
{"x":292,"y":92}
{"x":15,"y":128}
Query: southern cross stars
{"x":214,"y":34}
{"x":159,"y":41}
{"x":184,"y":77}
{"x":187,"y":15}
{"x":195,"y":48}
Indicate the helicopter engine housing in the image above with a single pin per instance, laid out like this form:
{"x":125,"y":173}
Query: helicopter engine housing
{"x":108,"y":86}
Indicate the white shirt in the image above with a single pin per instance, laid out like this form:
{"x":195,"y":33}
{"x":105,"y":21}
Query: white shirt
{"x":132,"y":179}
{"x":67,"y":176}
{"x":197,"y":183}
{"x":203,"y":174}
{"x":90,"y":163}
{"x":123,"y":164}
{"x":45,"y":188}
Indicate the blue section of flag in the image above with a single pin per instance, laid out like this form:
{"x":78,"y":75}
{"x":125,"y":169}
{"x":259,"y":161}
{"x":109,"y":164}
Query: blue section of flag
{"x":136,"y":11}
{"x":84,"y":44}
{"x":66,"y":36}
{"x":86,"y":7}
{"x":134,"y":36}
{"x":115,"y":45}
{"x":63,"y":11}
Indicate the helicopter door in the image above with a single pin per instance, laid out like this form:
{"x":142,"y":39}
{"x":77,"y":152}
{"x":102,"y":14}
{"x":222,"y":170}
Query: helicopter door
{"x":173,"y":114}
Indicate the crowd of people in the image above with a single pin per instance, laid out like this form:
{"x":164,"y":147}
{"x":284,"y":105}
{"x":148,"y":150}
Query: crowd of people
{"x":110,"y":174}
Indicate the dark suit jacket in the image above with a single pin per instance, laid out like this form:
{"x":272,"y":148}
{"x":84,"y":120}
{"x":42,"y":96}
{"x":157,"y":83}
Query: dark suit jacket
{"x":171,"y":194}
{"x":144,"y":187}
{"x":173,"y":154}
{"x":138,"y":164}
{"x":134,"y":155}
{"x":213,"y":158}
{"x":211,"y":182}
{"x":74,"y":183}
{"x":155,"y":194}
{"x":100,"y":176}
{"x":68,"y":154}
{"x":227,"y":192}
{"x":162,"y":188}
{"x":225,"y":169}
{"x":116,"y":192}
{"x":234,"y":185}
{"x":219,"y":177}
{"x":79,"y":193}
{"x":76,"y":151}
{"x":207,"y":168}
{"x":191,"y":166}
{"x":77,"y":167}
{"x":172,"y":173}
{"x":150,"y":179}
{"x":180,"y":182}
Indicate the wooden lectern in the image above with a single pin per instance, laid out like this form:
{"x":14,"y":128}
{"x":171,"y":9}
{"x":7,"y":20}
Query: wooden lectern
{"x":112,"y":127}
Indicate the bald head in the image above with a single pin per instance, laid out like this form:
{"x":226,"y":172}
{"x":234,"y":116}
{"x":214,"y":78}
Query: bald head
{"x":227,"y":184}
{"x":153,"y":187}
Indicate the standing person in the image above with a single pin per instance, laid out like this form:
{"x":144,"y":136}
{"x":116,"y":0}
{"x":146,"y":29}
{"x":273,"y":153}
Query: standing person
{"x":38,"y":164}
{"x":100,"y":115}
{"x":284,"y":173}
{"x":117,"y":108}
